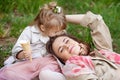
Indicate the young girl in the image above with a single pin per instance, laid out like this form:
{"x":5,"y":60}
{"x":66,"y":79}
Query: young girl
{"x":49,"y":22}
{"x":79,"y":62}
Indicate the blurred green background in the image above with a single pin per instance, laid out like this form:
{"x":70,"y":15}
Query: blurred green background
{"x":15,"y":15}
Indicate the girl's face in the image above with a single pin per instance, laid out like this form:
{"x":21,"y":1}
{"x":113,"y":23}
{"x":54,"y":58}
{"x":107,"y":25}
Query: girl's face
{"x":54,"y":31}
{"x":65,"y":47}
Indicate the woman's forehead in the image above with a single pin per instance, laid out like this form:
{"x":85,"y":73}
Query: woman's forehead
{"x":61,"y":38}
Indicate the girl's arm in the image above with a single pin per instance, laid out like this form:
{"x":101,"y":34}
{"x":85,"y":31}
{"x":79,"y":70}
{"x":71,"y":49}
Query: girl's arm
{"x":17,"y":50}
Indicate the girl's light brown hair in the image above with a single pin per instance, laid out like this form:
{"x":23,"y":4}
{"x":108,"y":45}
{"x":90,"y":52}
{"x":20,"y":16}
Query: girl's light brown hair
{"x":49,"y":18}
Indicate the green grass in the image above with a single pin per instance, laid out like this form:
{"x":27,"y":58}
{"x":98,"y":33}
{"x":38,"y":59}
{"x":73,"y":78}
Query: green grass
{"x":17,"y":14}
{"x":5,"y":51}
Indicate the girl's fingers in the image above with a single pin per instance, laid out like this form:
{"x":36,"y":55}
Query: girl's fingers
{"x":27,"y":56}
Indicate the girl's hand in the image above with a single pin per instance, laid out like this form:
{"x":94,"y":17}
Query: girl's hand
{"x":27,"y":55}
{"x":24,"y":55}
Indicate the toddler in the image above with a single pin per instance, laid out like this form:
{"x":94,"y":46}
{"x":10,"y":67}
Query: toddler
{"x":49,"y":22}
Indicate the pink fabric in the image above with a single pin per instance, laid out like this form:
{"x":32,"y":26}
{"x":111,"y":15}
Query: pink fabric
{"x":78,"y":65}
{"x":27,"y":70}
{"x":112,"y":56}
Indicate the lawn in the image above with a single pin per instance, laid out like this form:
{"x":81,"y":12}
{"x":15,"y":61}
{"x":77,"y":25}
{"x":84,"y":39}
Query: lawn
{"x":15,"y":15}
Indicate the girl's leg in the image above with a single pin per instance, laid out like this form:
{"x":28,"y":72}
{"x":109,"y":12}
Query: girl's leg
{"x":51,"y":71}
{"x":25,"y":70}
{"x":50,"y":75}
{"x":9,"y":74}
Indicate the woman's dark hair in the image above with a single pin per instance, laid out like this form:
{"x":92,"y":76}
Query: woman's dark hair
{"x":52,"y":39}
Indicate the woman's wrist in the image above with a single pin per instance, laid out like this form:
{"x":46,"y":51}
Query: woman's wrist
{"x":76,"y":18}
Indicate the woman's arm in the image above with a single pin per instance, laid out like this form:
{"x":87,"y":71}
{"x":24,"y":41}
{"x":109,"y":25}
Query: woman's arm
{"x":99,"y":30}
{"x":76,"y":18}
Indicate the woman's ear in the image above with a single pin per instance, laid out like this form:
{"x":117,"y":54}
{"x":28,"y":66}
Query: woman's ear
{"x":42,"y":28}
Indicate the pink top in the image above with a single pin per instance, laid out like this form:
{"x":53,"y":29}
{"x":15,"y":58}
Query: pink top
{"x":112,"y":56}
{"x":78,"y":65}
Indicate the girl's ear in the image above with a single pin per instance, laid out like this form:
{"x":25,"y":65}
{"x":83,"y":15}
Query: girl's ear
{"x":42,"y":28}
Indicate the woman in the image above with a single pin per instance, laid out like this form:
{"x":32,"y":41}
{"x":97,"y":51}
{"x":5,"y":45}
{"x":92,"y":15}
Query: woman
{"x":80,"y":62}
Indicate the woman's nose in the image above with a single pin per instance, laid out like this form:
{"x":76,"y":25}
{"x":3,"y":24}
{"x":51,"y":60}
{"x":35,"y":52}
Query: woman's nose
{"x":66,"y":46}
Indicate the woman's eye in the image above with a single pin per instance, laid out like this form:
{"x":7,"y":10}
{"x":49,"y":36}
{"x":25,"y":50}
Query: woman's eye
{"x":66,"y":41}
{"x":61,"y":50}
{"x":55,"y":32}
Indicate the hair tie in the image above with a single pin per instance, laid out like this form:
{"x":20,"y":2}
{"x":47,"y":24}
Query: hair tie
{"x":57,"y":9}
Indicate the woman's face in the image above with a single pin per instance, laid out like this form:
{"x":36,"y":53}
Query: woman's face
{"x":65,"y":47}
